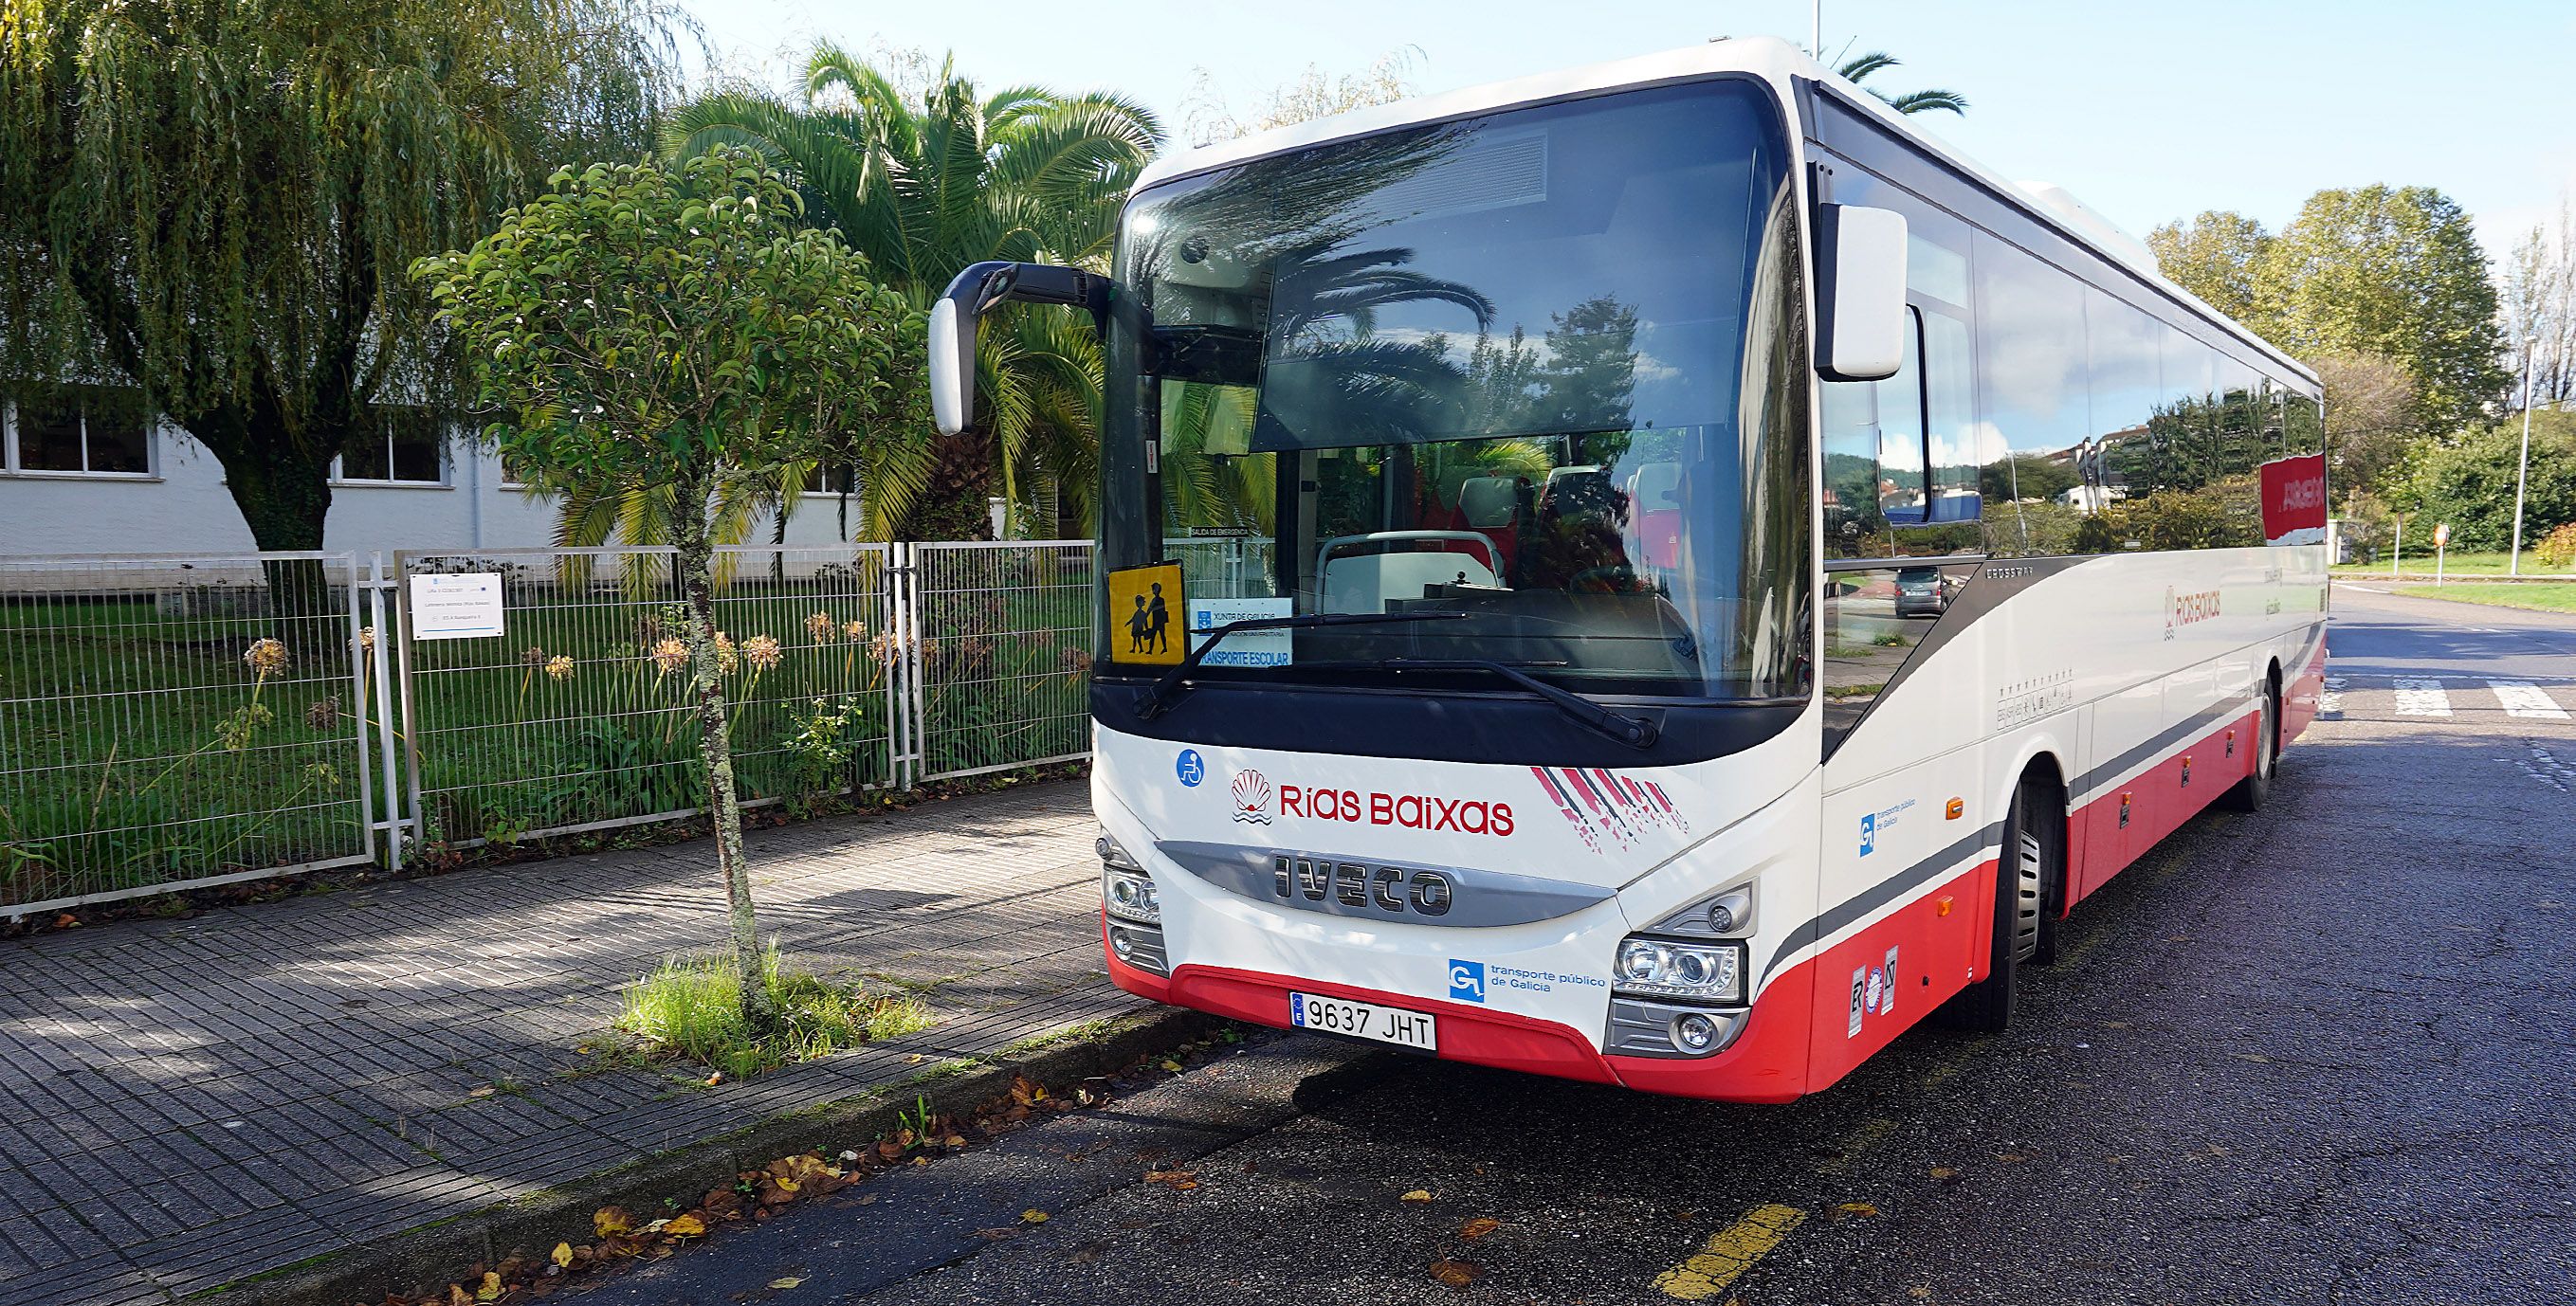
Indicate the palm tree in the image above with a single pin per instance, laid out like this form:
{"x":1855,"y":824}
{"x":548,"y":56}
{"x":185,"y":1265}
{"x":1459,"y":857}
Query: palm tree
{"x":1861,"y":66}
{"x":926,"y":185}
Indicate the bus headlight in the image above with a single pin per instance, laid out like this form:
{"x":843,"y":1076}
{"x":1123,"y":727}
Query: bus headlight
{"x":1130,"y":896}
{"x":1672,"y":968}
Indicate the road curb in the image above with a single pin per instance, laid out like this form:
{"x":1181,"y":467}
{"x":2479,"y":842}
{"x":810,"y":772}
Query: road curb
{"x":436,"y":1254}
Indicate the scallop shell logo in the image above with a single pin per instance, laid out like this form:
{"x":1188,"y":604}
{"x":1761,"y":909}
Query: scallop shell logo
{"x":1252,"y":798}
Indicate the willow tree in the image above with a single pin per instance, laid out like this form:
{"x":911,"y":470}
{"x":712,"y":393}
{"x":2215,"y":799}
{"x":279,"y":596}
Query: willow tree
{"x":215,"y":201}
{"x":640,"y":326}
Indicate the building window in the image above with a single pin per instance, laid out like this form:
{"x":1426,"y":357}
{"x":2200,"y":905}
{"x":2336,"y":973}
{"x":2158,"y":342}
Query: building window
{"x":406,"y":449}
{"x":827,"y":479}
{"x":81,"y":430}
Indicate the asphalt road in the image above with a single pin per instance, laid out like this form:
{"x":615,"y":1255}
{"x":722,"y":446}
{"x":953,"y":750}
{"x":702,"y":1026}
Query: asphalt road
{"x":2321,"y":1054}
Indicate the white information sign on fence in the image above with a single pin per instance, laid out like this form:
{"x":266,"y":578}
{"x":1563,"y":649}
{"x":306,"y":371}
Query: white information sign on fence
{"x":462,"y":606}
{"x":1246,"y":648}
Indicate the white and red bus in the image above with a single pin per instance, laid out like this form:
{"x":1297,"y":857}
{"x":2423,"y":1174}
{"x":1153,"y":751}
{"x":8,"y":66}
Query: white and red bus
{"x":1659,"y":574}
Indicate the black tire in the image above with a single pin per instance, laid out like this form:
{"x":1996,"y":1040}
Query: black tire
{"x":2255,"y":789}
{"x":2021,"y":878}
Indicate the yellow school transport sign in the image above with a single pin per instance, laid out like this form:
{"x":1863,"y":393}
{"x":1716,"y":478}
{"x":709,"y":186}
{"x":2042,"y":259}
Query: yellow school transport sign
{"x":1145,"y":615}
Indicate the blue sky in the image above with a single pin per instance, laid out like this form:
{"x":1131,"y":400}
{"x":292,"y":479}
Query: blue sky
{"x":2148,"y":109}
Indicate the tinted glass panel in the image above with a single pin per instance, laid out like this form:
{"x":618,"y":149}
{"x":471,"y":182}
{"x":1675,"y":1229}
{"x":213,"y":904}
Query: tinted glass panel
{"x":366,"y":459}
{"x":119,"y":440}
{"x":2121,"y":345}
{"x":1542,"y":368}
{"x":2034,"y":393}
{"x":415,"y":441}
{"x":1874,"y":442}
{"x":49,"y":435}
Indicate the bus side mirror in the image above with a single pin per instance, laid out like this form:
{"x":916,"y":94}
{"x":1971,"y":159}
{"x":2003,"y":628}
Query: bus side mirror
{"x":952,"y":366}
{"x":975,"y":291}
{"x":1860,"y":297}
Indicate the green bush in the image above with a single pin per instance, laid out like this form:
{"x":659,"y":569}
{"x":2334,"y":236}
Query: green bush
{"x":2557,"y":550}
{"x":2470,"y":484}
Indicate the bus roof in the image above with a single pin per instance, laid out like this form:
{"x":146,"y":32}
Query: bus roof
{"x":1769,"y":58}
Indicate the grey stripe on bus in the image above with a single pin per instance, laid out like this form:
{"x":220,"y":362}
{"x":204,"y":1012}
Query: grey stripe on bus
{"x":2103,"y":776}
{"x":1904,"y":882}
{"x":1913,"y":877}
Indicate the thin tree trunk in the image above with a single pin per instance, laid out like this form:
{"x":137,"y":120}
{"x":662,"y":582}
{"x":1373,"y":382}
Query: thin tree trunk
{"x":693,"y":549}
{"x":284,"y":496}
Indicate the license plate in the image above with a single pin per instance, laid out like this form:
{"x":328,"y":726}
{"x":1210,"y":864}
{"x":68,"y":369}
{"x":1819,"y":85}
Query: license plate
{"x":1407,"y":1029}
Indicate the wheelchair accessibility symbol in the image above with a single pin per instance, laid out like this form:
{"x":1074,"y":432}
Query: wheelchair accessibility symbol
{"x":1190,"y":768}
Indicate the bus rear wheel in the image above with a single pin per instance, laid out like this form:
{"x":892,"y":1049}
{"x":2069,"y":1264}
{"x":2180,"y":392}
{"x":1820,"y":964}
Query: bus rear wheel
{"x":2251,"y":792}
{"x":2022,"y":871}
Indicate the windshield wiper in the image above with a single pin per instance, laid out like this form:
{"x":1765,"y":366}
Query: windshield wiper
{"x":1166,"y":689}
{"x":1635,"y":732}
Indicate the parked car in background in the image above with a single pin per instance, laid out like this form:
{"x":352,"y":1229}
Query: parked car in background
{"x":1922,"y":592}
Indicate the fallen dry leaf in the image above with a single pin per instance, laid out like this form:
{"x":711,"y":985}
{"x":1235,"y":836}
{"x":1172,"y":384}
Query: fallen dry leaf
{"x":612,"y":1220}
{"x":2012,"y":1158}
{"x":491,"y":1288}
{"x":1857,"y":1208}
{"x":1171,"y":1065}
{"x":1033,"y":1216}
{"x":1417,"y":1195}
{"x":457,"y":1296}
{"x":485,"y":1091}
{"x":1478,"y":1227}
{"x":685,"y":1225}
{"x":1457,"y":1274}
{"x":562,"y":1256}
{"x":789,"y":1281}
{"x":1944,"y":1172}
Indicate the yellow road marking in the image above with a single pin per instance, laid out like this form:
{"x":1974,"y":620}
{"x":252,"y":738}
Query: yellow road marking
{"x":1730,"y":1252}
{"x":1862,"y":1138}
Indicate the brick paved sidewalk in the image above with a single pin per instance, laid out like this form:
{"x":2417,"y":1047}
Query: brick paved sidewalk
{"x":186,"y":1103}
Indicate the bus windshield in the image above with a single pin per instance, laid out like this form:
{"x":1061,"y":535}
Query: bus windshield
{"x":1542,"y":367}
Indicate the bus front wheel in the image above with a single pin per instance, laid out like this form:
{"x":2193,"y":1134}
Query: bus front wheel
{"x":2022,"y":869}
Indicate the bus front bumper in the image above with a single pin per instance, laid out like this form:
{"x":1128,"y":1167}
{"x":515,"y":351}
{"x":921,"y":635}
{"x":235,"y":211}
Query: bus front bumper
{"x":1763,"y":1064}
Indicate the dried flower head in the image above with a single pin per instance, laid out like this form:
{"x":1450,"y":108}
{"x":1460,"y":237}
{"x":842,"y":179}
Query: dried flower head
{"x":821,"y":628}
{"x":532,"y":657}
{"x":559,"y":666}
{"x":324,"y":714}
{"x":1077,"y":660}
{"x":728,"y":658}
{"x":886,"y":649}
{"x":670,"y":655}
{"x":762,"y":652}
{"x":854,"y":631}
{"x":266,"y":657}
{"x":367,"y":638}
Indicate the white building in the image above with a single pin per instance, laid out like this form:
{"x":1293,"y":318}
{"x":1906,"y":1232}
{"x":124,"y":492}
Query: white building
{"x":78,"y":478}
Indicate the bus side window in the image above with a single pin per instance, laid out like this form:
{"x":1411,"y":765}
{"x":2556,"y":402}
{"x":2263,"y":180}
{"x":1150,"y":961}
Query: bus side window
{"x":1874,"y":456}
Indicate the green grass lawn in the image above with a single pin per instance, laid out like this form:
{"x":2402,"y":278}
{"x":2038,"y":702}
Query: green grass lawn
{"x":2457,"y":563}
{"x":2541,"y":596}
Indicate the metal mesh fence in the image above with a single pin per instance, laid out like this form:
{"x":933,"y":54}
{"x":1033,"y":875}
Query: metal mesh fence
{"x":576,"y":717}
{"x":175,"y":722}
{"x":1004,"y":653}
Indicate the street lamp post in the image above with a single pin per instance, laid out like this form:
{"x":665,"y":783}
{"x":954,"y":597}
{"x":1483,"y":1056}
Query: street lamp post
{"x":2522,"y":473}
